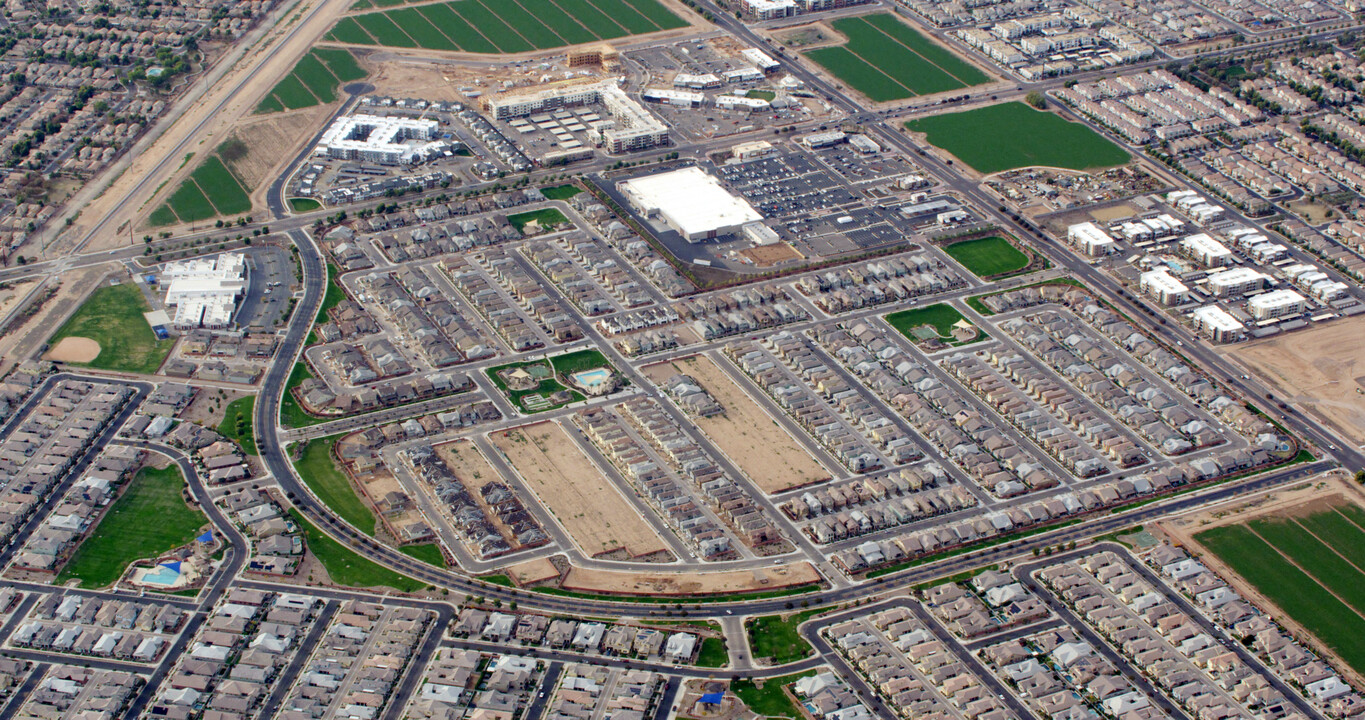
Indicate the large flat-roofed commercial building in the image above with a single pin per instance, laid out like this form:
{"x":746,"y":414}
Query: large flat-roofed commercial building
{"x":632,"y":126}
{"x":1160,"y":284}
{"x":1276,"y":304}
{"x":1236,"y":281}
{"x":378,"y":139}
{"x":204,"y":291}
{"x":689,"y":201}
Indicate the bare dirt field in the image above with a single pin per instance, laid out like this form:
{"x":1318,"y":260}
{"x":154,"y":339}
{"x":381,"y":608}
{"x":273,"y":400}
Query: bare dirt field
{"x":15,"y":292}
{"x":74,"y":350}
{"x":769,"y":255}
{"x":1321,"y":369}
{"x":762,"y":449}
{"x":209,"y":406}
{"x":272,"y":141}
{"x":585,"y":502}
{"x":392,"y":74}
{"x":1313,"y":495}
{"x":1121,"y":211}
{"x":533,"y":571}
{"x":690,"y":583}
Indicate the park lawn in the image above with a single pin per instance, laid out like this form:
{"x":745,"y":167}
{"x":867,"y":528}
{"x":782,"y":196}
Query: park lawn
{"x":941,"y":316}
{"x":713,"y":653}
{"x":1294,"y":591}
{"x":320,"y":473}
{"x":548,"y":218}
{"x":775,"y":636}
{"x":988,"y":257}
{"x":112,"y":317}
{"x":429,"y":553}
{"x":547,"y":387}
{"x":1013,"y":135}
{"x":237,"y":423}
{"x":769,"y":700}
{"x":345,"y":566}
{"x":299,"y":204}
{"x":578,"y":361}
{"x":148,"y":519}
{"x":560,"y":192}
{"x":292,"y":414}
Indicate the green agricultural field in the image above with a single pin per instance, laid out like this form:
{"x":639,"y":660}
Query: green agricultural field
{"x":190,"y":203}
{"x":317,"y":75}
{"x":148,"y":519}
{"x":547,"y":218}
{"x":345,"y":566}
{"x":321,"y":474}
{"x":502,"y":26}
{"x":941,"y":317}
{"x":1013,"y":135}
{"x":1309,"y":566}
{"x":112,"y":317}
{"x":560,"y":192}
{"x":221,"y":187}
{"x":237,"y":423}
{"x":885,"y":59}
{"x":988,"y":257}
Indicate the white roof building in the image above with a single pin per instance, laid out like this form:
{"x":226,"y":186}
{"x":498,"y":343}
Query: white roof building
{"x":380,"y":139}
{"x":691,"y":202}
{"x":1237,"y":280}
{"x":204,"y":291}
{"x":1205,"y":249}
{"x":1279,"y":303}
{"x":1161,"y":285}
{"x":761,"y":60}
{"x":1091,"y":238}
{"x":1218,"y":323}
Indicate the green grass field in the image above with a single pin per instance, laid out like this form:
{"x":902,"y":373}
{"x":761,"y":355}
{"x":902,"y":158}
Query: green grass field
{"x":770,"y":700}
{"x":941,"y":317}
{"x":560,"y":192}
{"x":429,"y":553}
{"x":713,"y":653}
{"x":300,"y":204}
{"x":570,"y":363}
{"x":1310,"y":567}
{"x":210,"y":191}
{"x":237,"y":423}
{"x":330,"y":484}
{"x":148,"y":519}
{"x":292,"y":414}
{"x":547,"y":217}
{"x":1013,"y":135}
{"x":330,"y":299}
{"x":545,"y":388}
{"x":775,"y":636}
{"x":502,"y":26}
{"x":112,"y":317}
{"x":345,"y":566}
{"x":317,"y":75}
{"x":988,"y":257}
{"x":885,"y":59}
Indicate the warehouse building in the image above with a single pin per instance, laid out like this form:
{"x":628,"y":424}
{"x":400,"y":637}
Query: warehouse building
{"x":689,"y":201}
{"x":204,"y":291}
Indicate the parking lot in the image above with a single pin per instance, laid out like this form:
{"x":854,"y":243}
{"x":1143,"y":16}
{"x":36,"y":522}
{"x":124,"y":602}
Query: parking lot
{"x":270,"y":273}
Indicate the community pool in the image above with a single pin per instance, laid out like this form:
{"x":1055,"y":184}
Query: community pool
{"x":162,"y":576}
{"x":589,"y":378}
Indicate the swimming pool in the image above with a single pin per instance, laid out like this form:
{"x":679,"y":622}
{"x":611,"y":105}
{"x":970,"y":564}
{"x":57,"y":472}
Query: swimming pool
{"x":588,"y":378}
{"x":162,"y":576}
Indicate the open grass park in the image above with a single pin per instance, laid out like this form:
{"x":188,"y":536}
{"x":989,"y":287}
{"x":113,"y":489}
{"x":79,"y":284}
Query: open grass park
{"x":112,"y":317}
{"x":775,"y":636}
{"x":237,"y":423}
{"x":148,"y":519}
{"x":537,"y":222}
{"x":321,"y":474}
{"x":1012,"y":135}
{"x":313,"y":81}
{"x":885,"y":59}
{"x":344,"y":566}
{"x":1311,"y":565}
{"x":988,"y":257}
{"x":939,"y":318}
{"x":503,"y":26}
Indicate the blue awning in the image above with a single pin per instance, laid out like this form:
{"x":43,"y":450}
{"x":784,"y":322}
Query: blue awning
{"x":713,"y":698}
{"x":173,"y":565}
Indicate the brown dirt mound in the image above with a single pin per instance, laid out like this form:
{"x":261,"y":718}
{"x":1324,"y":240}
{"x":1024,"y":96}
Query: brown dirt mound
{"x":74,"y":350}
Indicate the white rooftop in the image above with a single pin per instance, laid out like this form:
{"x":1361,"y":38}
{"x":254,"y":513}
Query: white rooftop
{"x":691,"y":200}
{"x":1275,"y":299}
{"x":1217,"y":318}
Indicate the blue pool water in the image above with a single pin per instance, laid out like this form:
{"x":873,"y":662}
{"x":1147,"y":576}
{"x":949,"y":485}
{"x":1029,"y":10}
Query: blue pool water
{"x":163,"y":576}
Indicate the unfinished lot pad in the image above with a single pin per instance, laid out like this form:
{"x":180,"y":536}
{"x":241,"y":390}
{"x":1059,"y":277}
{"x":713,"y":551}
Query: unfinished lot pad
{"x":690,"y":583}
{"x":585,"y":502}
{"x":772,"y":459}
{"x":1322,"y":368}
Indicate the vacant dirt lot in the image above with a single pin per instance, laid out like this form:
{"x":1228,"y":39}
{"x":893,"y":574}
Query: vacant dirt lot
{"x":1321,"y":369}
{"x":761,"y":448}
{"x":271,"y":141}
{"x":690,"y":583}
{"x":72,"y":287}
{"x":584,"y":501}
{"x":769,"y":255}
{"x":533,"y":571}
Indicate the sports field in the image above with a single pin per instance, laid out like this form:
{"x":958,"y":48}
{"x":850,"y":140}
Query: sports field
{"x":885,"y":59}
{"x":504,"y":26}
{"x":941,"y":317}
{"x":1013,"y":135}
{"x":313,"y":81}
{"x":112,"y":317}
{"x":1311,"y":564}
{"x":211,"y":190}
{"x":987,"y":257}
